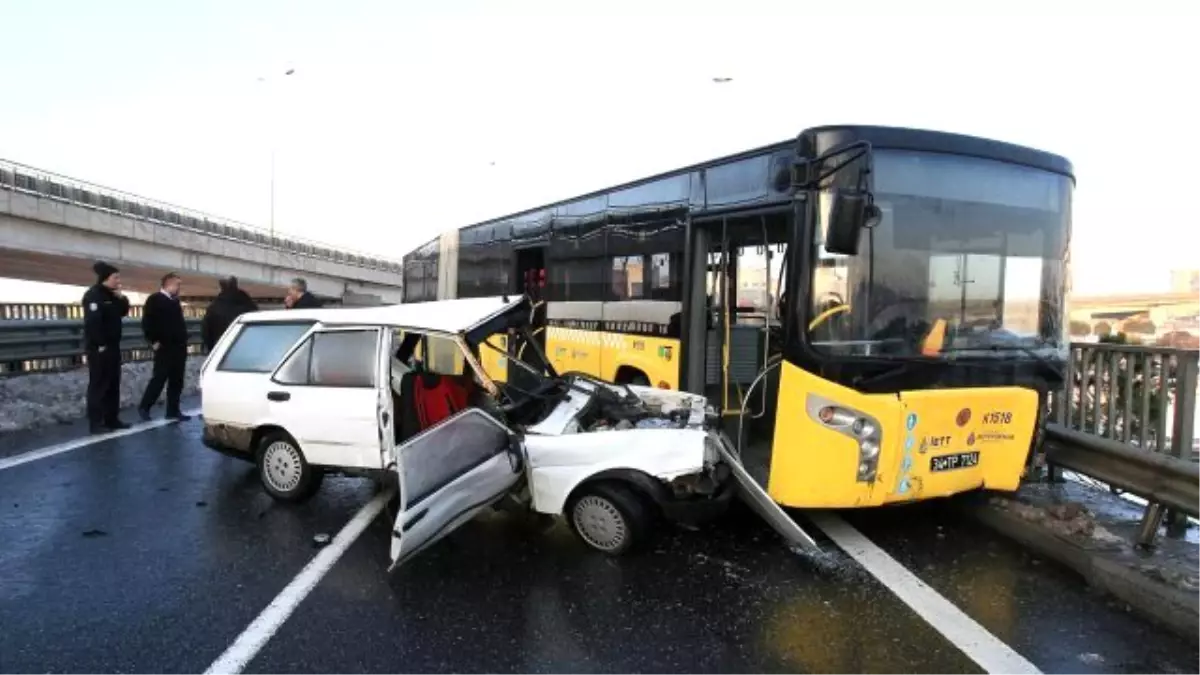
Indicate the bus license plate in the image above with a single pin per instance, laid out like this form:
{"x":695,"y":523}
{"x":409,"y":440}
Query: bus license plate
{"x":960,"y":460}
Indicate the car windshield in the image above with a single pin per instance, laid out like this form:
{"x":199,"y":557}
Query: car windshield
{"x":969,"y":257}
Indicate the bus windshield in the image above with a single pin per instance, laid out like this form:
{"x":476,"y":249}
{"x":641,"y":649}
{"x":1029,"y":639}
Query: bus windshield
{"x":969,"y":258}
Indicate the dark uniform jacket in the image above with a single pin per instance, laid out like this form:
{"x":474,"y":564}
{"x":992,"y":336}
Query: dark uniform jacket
{"x":222,"y":311}
{"x":163,"y":322}
{"x":102,"y":315}
{"x":307,"y":301}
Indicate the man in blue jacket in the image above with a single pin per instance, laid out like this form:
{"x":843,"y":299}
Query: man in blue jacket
{"x":104,"y":309}
{"x":167,"y":334}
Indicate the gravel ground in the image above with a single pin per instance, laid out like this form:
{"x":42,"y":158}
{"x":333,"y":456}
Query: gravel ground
{"x":30,"y":401}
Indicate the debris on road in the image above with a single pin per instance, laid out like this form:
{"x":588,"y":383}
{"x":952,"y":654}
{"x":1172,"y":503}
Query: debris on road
{"x":321,"y":539}
{"x":91,"y":534}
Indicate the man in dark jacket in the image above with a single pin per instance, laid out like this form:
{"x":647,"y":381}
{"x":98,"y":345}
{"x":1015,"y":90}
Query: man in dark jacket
{"x":229,"y":304}
{"x":298,"y":296}
{"x":166,"y":332}
{"x":104,"y":308}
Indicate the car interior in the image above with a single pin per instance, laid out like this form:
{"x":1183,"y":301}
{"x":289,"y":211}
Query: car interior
{"x":422,"y":397}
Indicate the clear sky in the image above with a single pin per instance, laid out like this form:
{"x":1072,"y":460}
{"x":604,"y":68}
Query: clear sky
{"x":401,"y":122}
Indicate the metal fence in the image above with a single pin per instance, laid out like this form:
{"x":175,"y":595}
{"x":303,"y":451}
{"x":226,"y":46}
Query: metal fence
{"x":46,"y":185}
{"x":52,"y":344}
{"x":1126,"y":418}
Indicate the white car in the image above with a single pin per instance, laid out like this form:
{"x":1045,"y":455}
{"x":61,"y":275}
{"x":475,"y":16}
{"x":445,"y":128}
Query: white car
{"x":303,"y":393}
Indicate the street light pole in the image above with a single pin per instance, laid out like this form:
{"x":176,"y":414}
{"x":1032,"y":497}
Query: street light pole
{"x":289,"y":71}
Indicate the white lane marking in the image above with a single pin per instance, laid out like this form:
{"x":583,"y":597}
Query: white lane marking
{"x":50,"y":451}
{"x":961,"y":630}
{"x":271,"y":619}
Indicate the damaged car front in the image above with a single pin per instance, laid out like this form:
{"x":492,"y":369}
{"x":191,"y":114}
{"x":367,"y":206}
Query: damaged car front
{"x":611,"y":458}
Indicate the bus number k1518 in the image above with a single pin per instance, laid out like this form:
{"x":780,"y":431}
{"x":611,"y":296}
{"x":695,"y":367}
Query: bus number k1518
{"x":997,"y":418}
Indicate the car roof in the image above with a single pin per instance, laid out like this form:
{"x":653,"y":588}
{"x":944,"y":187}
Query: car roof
{"x":442,"y":316}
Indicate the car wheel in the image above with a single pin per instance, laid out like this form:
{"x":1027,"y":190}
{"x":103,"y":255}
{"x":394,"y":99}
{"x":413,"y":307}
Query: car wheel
{"x":284,"y":472}
{"x":610,"y":518}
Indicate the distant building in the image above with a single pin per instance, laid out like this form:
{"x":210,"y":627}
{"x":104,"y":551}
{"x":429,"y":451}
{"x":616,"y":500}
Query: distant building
{"x":1185,"y":281}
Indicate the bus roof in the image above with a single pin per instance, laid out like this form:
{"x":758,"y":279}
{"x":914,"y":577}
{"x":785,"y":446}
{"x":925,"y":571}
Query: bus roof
{"x":753,"y":178}
{"x":451,"y":317}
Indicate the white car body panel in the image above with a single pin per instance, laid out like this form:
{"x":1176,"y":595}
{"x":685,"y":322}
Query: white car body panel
{"x":558,"y":464}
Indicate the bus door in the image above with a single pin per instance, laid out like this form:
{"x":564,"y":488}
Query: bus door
{"x":741,"y":333}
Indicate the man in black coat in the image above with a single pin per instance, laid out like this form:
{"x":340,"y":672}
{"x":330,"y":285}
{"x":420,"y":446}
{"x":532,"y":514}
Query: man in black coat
{"x":104,"y":309}
{"x":229,"y":304}
{"x":298,"y":296}
{"x":166,"y":332}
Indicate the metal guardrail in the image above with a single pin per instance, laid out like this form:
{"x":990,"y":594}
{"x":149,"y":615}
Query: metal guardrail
{"x":47,"y":345}
{"x":1126,"y":417}
{"x":47,"y":185}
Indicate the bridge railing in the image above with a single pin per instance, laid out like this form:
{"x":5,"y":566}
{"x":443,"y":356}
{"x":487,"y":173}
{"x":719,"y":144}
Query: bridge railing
{"x":53,"y":344}
{"x":47,"y":185}
{"x":1126,"y":417}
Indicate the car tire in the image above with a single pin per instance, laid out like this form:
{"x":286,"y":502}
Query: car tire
{"x":283,"y":470}
{"x":611,"y":518}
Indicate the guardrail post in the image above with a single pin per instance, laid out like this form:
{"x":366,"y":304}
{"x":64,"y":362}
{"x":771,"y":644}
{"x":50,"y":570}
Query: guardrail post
{"x":1151,"y":520}
{"x":1183,"y":426}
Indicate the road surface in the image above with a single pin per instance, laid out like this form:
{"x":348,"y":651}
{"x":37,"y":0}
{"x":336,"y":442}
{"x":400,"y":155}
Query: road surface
{"x":148,"y":552}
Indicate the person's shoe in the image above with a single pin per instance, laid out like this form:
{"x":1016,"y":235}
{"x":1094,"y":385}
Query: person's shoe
{"x":178,"y":416}
{"x":117,"y":425}
{"x":144,"y":413}
{"x":97,"y":428}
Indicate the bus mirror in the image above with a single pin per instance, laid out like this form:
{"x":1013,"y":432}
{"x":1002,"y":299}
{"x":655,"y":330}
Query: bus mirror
{"x":849,"y":212}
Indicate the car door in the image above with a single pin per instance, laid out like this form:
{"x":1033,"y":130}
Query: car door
{"x":326,"y":395}
{"x":449,"y":473}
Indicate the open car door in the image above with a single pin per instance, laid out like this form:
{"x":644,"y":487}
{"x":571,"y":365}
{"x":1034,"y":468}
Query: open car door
{"x":449,"y":473}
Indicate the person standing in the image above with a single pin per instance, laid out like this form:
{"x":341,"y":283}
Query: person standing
{"x":229,"y":304}
{"x":298,"y":296}
{"x":166,"y":332}
{"x":104,"y":311}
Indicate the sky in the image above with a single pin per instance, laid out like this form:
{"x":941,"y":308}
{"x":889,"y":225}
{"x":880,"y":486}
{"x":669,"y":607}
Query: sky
{"x":405,"y":119}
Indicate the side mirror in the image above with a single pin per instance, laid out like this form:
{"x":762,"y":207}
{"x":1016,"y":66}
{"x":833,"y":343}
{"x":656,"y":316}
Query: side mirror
{"x":849,"y":213}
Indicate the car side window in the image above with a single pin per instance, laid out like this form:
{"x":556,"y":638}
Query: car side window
{"x":344,"y":359}
{"x":295,"y":369}
{"x":259,"y":346}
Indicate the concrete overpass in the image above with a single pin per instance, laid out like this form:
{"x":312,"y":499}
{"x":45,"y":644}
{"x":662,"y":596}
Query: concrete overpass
{"x":52,"y":228}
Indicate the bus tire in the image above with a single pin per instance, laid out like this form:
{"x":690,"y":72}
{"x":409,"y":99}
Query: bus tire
{"x":630,"y":375}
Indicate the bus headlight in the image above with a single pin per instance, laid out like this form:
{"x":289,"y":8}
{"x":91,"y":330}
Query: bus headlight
{"x":855,"y":424}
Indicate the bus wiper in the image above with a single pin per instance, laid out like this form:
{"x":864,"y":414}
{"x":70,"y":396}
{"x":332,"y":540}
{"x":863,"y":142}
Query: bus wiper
{"x":1042,"y":360}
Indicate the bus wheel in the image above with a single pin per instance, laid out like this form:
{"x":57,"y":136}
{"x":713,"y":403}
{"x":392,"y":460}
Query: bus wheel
{"x":637,"y":378}
{"x":610,"y":518}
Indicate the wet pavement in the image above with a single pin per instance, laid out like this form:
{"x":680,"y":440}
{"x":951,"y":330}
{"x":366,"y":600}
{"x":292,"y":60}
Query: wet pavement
{"x":151,"y":553}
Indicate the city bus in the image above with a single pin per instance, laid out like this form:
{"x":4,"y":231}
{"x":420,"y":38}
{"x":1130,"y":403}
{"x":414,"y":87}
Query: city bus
{"x":876,"y":313}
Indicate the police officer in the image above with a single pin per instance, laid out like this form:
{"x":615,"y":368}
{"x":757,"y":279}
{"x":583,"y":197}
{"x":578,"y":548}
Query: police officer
{"x":104,"y":308}
{"x":166,"y":332}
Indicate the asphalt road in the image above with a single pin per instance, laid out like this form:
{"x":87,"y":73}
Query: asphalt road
{"x":149,"y":553}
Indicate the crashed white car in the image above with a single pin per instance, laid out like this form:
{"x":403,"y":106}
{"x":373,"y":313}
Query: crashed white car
{"x":303,"y":393}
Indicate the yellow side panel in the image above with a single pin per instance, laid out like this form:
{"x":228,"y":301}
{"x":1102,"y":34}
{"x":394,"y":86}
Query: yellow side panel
{"x":657,"y":357}
{"x":815,"y":467}
{"x":601,"y":354}
{"x":571,"y":349}
{"x":495,"y":364}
